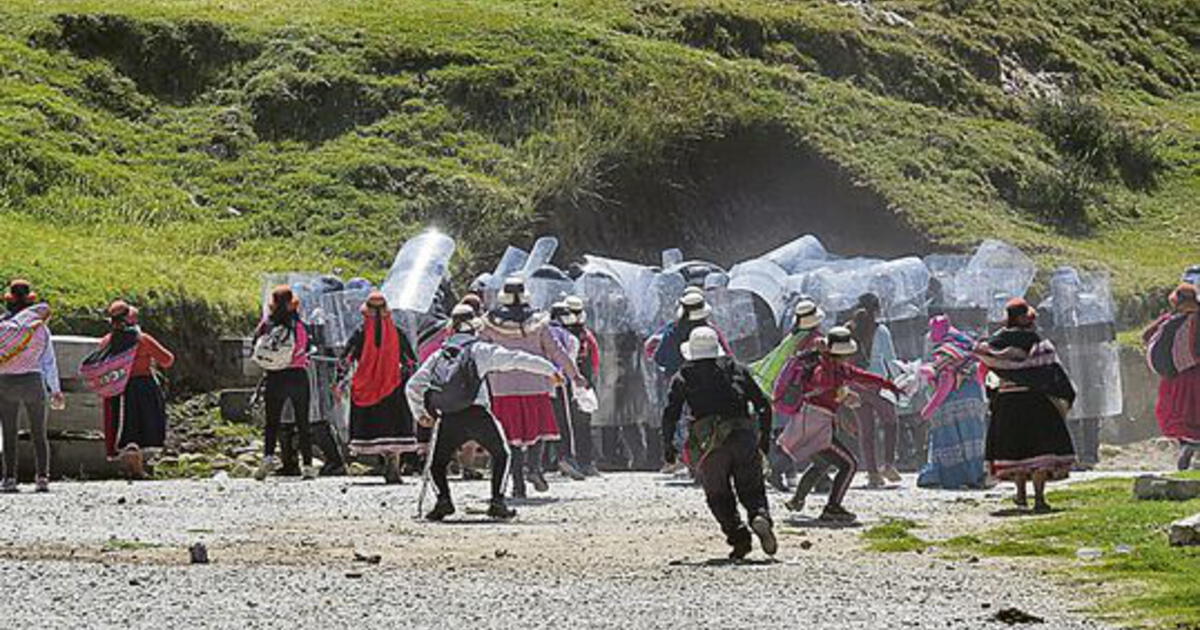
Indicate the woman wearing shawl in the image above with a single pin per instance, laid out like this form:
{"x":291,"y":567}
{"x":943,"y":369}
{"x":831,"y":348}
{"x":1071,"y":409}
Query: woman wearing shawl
{"x":28,"y":371}
{"x":1027,"y":438}
{"x":1173,"y":351}
{"x":805,"y":336}
{"x":520,"y":400}
{"x":135,"y":422}
{"x":956,"y":412}
{"x":380,"y":420}
{"x":876,"y":352}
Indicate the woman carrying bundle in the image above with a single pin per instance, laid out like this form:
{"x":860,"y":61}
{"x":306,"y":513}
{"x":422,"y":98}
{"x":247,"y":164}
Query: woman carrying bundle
{"x":28,"y":370}
{"x":1027,"y":438}
{"x":380,"y":420}
{"x":957,"y":411}
{"x":1173,"y":352}
{"x":135,"y":418}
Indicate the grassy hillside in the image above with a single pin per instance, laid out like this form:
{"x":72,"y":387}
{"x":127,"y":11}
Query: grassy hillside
{"x":174,"y":150}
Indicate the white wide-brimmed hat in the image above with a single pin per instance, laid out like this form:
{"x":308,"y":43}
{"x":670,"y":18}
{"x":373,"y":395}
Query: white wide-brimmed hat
{"x":703,"y":343}
{"x":693,"y":305}
{"x":513,"y":292}
{"x":575,"y":312}
{"x":808,"y":315}
{"x":464,"y":319}
{"x":841,"y":342}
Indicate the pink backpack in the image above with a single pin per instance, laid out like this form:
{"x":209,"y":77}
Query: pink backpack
{"x":21,"y":346}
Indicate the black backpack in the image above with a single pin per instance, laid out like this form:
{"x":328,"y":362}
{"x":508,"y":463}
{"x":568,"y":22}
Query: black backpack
{"x":455,"y":382}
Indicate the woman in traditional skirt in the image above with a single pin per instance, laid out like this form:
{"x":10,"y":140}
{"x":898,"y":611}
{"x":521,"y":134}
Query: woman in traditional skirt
{"x":1027,"y":438}
{"x":135,"y":423}
{"x":380,"y":420}
{"x":520,"y":400}
{"x":1173,"y":351}
{"x":957,"y":411}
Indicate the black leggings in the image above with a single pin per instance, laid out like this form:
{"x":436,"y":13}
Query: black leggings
{"x":837,"y":456}
{"x":454,"y":430}
{"x":282,"y":386}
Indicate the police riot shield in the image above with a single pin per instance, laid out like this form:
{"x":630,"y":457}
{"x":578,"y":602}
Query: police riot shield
{"x":636,"y":280}
{"x":541,"y":254}
{"x":794,"y":256}
{"x":746,"y":320}
{"x":420,"y":266}
{"x":671,"y":257}
{"x":768,"y":281}
{"x":1192,"y":275}
{"x":996,"y":273}
{"x":1078,"y":316}
{"x":342,"y":314}
{"x":547,"y":285}
{"x":306,"y":286}
{"x":619,"y":383}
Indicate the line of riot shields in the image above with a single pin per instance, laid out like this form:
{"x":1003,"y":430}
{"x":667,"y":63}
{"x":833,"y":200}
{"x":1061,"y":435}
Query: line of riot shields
{"x":751,"y":304}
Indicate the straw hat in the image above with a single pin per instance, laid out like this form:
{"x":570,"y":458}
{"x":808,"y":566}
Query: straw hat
{"x":513,"y":292}
{"x":703,"y":343}
{"x":693,"y":305}
{"x":464,"y":319}
{"x":841,"y":343}
{"x":808,"y":315}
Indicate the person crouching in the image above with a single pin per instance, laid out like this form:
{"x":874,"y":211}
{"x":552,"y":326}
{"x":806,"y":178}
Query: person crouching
{"x":722,"y":438}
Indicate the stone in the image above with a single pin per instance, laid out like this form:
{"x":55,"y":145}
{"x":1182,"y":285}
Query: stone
{"x":1185,"y":532}
{"x":1158,"y":488}
{"x":198,"y":553}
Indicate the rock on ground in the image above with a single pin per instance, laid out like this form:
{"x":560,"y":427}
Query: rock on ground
{"x":624,"y":551}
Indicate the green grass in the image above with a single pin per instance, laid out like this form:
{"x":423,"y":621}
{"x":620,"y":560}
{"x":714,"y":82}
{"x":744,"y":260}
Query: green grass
{"x":1155,"y":584}
{"x":120,"y":544}
{"x":153,"y":148}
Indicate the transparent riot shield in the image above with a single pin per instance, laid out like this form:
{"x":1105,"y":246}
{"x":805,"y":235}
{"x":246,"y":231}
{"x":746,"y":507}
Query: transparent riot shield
{"x":768,"y":281}
{"x":547,"y":285}
{"x":306,"y":286}
{"x":1079,"y":317}
{"x":417,"y":272}
{"x":663,"y":297}
{"x":746,"y":320}
{"x":609,"y":317}
{"x":996,"y":273}
{"x":793,"y":256}
{"x":671,"y":257}
{"x":543,"y":250}
{"x":636,"y":281}
{"x":342,"y":314}
{"x":1192,"y":275}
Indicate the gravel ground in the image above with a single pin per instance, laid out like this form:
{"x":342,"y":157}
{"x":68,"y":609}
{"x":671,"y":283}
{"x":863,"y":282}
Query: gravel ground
{"x":628,"y":550}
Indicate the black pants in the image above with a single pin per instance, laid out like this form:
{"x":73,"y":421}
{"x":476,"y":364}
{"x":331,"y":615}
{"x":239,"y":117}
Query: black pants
{"x":838,"y":456}
{"x":735,"y":464}
{"x":283,"y":386}
{"x":565,"y":447}
{"x":454,"y":430}
{"x":584,"y":449}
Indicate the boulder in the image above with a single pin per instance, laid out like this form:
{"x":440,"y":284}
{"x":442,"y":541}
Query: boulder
{"x":1158,"y":488}
{"x":235,"y":404}
{"x":1185,"y":532}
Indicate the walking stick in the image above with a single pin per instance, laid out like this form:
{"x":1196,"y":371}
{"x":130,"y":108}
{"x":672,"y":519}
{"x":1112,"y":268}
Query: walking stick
{"x":428,"y":468}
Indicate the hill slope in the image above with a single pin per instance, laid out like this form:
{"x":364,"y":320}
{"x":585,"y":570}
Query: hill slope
{"x":172,"y":150}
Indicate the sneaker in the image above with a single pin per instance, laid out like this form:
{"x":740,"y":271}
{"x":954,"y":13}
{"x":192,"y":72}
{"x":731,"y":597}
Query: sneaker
{"x":333,"y":470}
{"x":671,"y":469}
{"x":837,"y":514}
{"x":569,"y":471}
{"x":9,"y":486}
{"x":539,"y":482}
{"x":500,"y":511}
{"x":440,"y":511}
{"x":308,"y":473}
{"x":875,"y":481}
{"x":268,"y":466}
{"x":41,"y":484}
{"x":891,"y":474}
{"x":590,"y":470}
{"x":794,"y":504}
{"x":761,"y":526}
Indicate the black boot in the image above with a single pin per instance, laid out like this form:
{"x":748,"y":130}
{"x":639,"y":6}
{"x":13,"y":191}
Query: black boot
{"x":500,"y":511}
{"x":287,"y":451}
{"x":335,"y":465}
{"x":741,"y":543}
{"x":441,"y":510}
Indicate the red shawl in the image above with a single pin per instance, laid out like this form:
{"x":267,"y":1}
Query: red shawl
{"x":378,"y":373}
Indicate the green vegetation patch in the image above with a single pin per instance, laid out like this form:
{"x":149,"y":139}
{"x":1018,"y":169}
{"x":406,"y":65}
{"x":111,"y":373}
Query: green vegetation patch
{"x":894,"y":535}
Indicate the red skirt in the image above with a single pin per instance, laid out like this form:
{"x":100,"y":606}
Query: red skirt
{"x":526,"y":420}
{"x":1178,"y":408}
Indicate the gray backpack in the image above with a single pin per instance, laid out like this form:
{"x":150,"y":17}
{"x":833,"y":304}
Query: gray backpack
{"x":454,"y":383}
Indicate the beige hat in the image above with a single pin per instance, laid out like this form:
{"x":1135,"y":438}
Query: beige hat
{"x":513,"y":292}
{"x":693,"y":305}
{"x":703,"y":343}
{"x":464,"y":319}
{"x":841,"y":343}
{"x":808,"y":315}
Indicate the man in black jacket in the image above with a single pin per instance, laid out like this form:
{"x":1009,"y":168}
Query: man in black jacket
{"x":725,"y":444}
